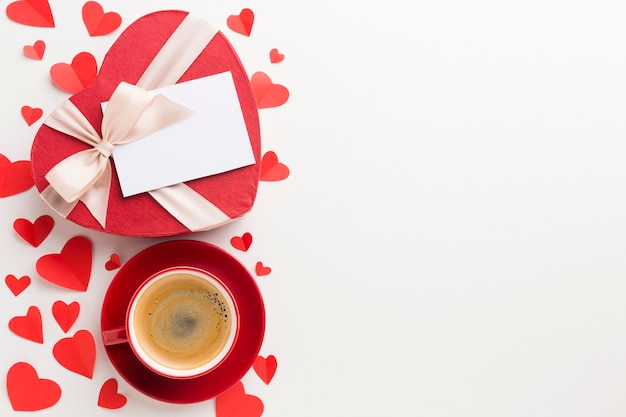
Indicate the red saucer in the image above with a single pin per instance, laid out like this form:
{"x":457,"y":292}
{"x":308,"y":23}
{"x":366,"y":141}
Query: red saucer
{"x":244,"y":290}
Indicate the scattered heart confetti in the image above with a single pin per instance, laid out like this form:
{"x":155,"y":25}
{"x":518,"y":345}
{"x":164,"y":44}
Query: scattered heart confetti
{"x":29,"y":326}
{"x":242,"y":242}
{"x":241,"y":23}
{"x":262,"y":270}
{"x":65,"y":314}
{"x":114,"y":262}
{"x":275,"y":56}
{"x":36,"y":232}
{"x":271,"y":169}
{"x":109,"y":397}
{"x":31,"y":114}
{"x":35,"y":51}
{"x":17,"y":285}
{"x":266,"y":93}
{"x":236,"y":403}
{"x":31,"y":13}
{"x":77,"y":353}
{"x":15,"y":177}
{"x":28,"y":392}
{"x":265,"y":368}
{"x":71,"y":268}
{"x":97,"y":21}
{"x":74,"y":77}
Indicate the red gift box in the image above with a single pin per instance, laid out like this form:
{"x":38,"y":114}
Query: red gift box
{"x":142,"y":56}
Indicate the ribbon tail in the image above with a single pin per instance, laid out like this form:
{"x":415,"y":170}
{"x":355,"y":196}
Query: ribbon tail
{"x":96,"y":199}
{"x":57,"y":202}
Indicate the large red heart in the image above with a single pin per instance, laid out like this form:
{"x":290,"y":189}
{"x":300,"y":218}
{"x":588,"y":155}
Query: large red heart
{"x":236,"y":403}
{"x":71,"y":268}
{"x":15,"y":177}
{"x":35,"y":232}
{"x":232,"y":192}
{"x":74,"y":77}
{"x":266,"y":92}
{"x":265,"y":368}
{"x":97,"y":21}
{"x":271,"y":169}
{"x":31,"y":13}
{"x":28,"y":392}
{"x":28,"y":326}
{"x":77,"y":353}
{"x":65,"y":314}
{"x":242,"y":22}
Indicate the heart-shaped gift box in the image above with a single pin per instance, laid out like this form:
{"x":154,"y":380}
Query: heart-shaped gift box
{"x":147,"y":54}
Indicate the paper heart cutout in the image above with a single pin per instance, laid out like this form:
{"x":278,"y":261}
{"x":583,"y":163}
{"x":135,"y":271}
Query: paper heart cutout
{"x":109,"y":397}
{"x":236,"y":403}
{"x":15,"y":177}
{"x":242,"y":242}
{"x":17,"y":285}
{"x":28,"y":392}
{"x":265,"y":368}
{"x":35,"y":51}
{"x":31,"y":13}
{"x":275,"y":56}
{"x":36,"y":232}
{"x":29,"y":326}
{"x":31,"y":114}
{"x":114,"y":262}
{"x":262,"y":270}
{"x":65,"y":314}
{"x":97,"y":21}
{"x":71,"y":268}
{"x":267,"y":93}
{"x":74,"y":77}
{"x":271,"y":169}
{"x":77,"y":353}
{"x":241,"y":23}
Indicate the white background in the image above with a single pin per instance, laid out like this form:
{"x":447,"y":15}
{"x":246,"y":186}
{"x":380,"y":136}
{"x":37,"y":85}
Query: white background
{"x":451,"y":239}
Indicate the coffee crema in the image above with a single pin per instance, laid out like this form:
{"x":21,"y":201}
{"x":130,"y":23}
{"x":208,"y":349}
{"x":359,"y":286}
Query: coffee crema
{"x":182,"y":321}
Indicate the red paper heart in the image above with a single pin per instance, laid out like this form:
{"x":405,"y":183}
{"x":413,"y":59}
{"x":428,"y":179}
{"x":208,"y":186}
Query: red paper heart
{"x":242,"y":242}
{"x":241,"y":23}
{"x":15,"y":177}
{"x":265,"y":368}
{"x":97,"y":22}
{"x":31,"y":13}
{"x":109,"y":397}
{"x":36,"y":232}
{"x":17,"y":285}
{"x":31,"y":115}
{"x":65,"y":314}
{"x":262,"y":270}
{"x":29,"y":326}
{"x":71,"y":268}
{"x":77,"y":353}
{"x":275,"y":56}
{"x":35,"y":51}
{"x":28,"y":392}
{"x":114,"y":262}
{"x":74,"y":77}
{"x":267,"y":93}
{"x":271,"y":169}
{"x":236,"y":403}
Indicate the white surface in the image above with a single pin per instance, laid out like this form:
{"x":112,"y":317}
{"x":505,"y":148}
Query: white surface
{"x":451,"y":239}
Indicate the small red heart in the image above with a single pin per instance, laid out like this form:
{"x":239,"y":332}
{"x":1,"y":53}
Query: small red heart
{"x":15,"y":177}
{"x":265,"y":368}
{"x":97,"y":21}
{"x":28,"y":392}
{"x":109,"y":397}
{"x":31,"y":115}
{"x":241,"y":23}
{"x":31,"y":13}
{"x":275,"y":56}
{"x":17,"y":285}
{"x":242,"y":242}
{"x":236,"y":403}
{"x":71,"y":268}
{"x":266,"y":93}
{"x":114,"y":262}
{"x":271,"y":169}
{"x":262,"y":270}
{"x":65,"y":314}
{"x":29,"y":326}
{"x":74,"y":77}
{"x":77,"y":353}
{"x":35,"y":51}
{"x":36,"y":232}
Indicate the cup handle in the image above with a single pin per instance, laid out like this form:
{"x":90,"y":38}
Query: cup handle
{"x":115,"y":336}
